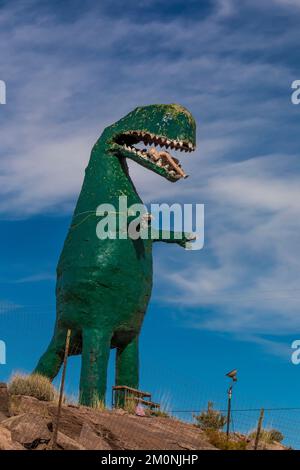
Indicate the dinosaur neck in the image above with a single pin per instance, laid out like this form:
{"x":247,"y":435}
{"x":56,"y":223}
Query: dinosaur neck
{"x":106,"y":179}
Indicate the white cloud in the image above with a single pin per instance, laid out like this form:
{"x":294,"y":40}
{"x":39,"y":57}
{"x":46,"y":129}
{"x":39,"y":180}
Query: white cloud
{"x":67,"y":80}
{"x":289,"y":3}
{"x":59,"y":102}
{"x":252,"y":276}
{"x":225,"y":7}
{"x":39,"y":277}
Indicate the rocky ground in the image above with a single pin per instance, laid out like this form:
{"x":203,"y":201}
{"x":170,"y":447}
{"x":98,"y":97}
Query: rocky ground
{"x":27,"y":423}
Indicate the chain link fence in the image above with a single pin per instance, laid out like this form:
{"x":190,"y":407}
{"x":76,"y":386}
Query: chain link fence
{"x":24,"y":334}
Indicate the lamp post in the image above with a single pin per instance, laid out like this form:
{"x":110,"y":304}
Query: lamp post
{"x":232,"y":375}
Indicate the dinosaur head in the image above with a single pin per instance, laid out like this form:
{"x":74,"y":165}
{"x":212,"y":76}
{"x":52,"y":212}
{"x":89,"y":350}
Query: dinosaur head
{"x":147,"y":134}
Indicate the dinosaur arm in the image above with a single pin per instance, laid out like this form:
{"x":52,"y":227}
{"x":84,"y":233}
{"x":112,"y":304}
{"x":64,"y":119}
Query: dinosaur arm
{"x":169,"y":236}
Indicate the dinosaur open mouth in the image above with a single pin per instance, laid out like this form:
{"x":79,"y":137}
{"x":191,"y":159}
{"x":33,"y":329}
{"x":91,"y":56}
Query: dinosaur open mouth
{"x":159,"y":157}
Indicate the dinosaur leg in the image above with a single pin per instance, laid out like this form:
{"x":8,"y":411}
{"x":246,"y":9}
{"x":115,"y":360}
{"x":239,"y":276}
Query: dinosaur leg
{"x":127,"y":369}
{"x":49,"y":364}
{"x":95,"y":355}
{"x":127,"y":365}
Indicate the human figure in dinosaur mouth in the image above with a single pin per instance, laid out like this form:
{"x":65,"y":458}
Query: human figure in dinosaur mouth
{"x":104,"y":285}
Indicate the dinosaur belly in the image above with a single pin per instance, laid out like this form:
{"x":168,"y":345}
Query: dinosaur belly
{"x":106,"y":287}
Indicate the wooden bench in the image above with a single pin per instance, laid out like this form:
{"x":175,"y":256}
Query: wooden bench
{"x":132,"y":394}
{"x":148,"y":403}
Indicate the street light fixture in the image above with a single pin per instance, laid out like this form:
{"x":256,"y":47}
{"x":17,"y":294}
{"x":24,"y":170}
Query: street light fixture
{"x":232,"y":375}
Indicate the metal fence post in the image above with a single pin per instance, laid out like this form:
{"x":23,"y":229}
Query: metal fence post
{"x":229,"y":411}
{"x":61,"y":391}
{"x":259,"y":425}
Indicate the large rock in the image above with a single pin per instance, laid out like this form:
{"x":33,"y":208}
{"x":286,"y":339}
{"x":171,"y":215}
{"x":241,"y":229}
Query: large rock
{"x":19,"y":404}
{"x":29,"y":429}
{"x":66,"y":443}
{"x":6,"y":442}
{"x":91,"y":440}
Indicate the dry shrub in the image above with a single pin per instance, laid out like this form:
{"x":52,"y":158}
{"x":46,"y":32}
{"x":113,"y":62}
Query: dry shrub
{"x":220,"y":440}
{"x":130,"y":406}
{"x":210,"y":419}
{"x":34,"y":385}
{"x":95,"y":403}
{"x":160,"y":413}
{"x":268,"y":436}
{"x":98,"y":404}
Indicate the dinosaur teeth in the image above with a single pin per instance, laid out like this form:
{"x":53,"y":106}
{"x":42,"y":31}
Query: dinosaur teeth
{"x":161,"y":158}
{"x":149,"y":139}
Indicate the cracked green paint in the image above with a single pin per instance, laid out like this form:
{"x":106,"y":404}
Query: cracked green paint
{"x":104,"y":286}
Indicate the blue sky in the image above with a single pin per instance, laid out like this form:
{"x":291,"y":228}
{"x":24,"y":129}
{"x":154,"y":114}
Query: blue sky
{"x":71,"y":68}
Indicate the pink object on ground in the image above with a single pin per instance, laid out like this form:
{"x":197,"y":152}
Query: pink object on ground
{"x":139,"y":411}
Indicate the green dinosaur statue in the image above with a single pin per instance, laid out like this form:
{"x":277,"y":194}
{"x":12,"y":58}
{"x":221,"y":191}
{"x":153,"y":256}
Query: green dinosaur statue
{"x":104,"y":285}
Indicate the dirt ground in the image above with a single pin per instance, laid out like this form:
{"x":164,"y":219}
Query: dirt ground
{"x":30,"y":423}
{"x":27,"y":423}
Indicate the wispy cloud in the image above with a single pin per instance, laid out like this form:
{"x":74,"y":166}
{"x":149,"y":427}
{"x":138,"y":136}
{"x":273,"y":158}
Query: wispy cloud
{"x":7,"y":306}
{"x":39,"y":277}
{"x":66,"y":80}
{"x":58,"y":100}
{"x":288,"y":3}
